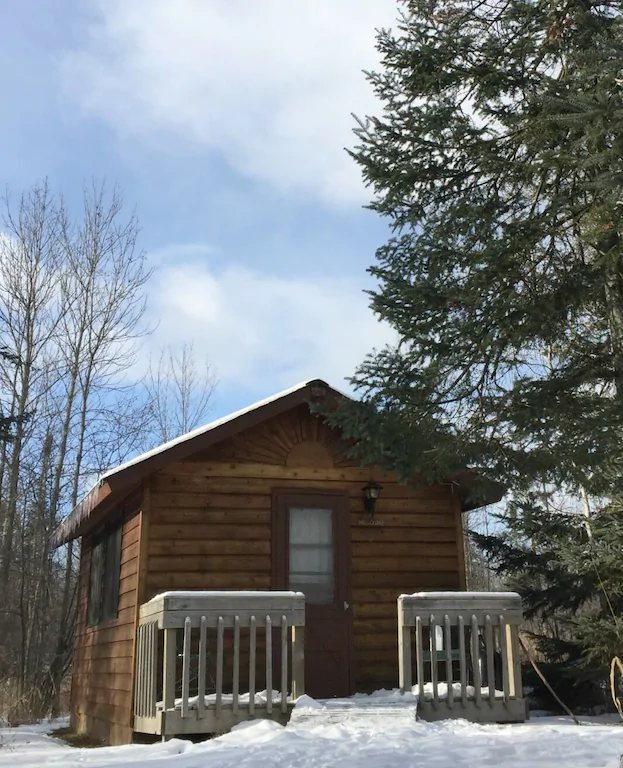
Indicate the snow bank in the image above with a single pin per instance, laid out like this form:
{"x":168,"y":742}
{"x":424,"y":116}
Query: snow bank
{"x":544,"y":743}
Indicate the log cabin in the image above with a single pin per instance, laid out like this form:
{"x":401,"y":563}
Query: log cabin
{"x":264,"y":499}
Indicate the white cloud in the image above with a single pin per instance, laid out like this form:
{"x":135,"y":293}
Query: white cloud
{"x":267,"y":331}
{"x":268,"y":84}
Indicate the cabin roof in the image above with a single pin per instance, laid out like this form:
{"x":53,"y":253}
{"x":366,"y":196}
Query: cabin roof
{"x":111,"y":485}
{"x":114,"y":485}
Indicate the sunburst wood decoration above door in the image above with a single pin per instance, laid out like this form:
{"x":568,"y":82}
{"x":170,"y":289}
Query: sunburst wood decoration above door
{"x":297,"y":438}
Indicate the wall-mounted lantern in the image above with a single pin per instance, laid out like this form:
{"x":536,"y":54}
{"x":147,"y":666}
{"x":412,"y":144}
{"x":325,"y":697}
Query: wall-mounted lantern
{"x":371,"y":492}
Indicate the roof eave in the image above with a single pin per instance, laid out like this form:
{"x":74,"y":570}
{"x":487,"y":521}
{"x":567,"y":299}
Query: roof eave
{"x":72,"y":526}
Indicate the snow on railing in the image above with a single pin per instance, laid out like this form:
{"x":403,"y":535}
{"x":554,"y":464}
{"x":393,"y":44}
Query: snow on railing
{"x":471,"y":640}
{"x":205,"y":631}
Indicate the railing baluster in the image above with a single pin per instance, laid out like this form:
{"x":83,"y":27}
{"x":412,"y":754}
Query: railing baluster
{"x":236,"y":672}
{"x":140,"y":671}
{"x":504,"y":654}
{"x":220,"y":629}
{"x":404,"y":656}
{"x":462,"y":660}
{"x":169,"y":674}
{"x":201,"y":667}
{"x":476,"y":662}
{"x":514,"y":665}
{"x":153,"y":669}
{"x":419,"y":657}
{"x":448,"y":648}
{"x":284,"y":664}
{"x":252,"y":641}
{"x":298,"y":661}
{"x":186,"y":666}
{"x":490,"y":649}
{"x":146,"y":670}
{"x":432,"y":625}
{"x":269,"y":665}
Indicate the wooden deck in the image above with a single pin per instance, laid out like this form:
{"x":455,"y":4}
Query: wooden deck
{"x":466,"y":650}
{"x":197,"y":652}
{"x":207,"y":661}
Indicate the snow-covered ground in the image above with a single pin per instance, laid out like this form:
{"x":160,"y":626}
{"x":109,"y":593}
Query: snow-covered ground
{"x":552,"y":742}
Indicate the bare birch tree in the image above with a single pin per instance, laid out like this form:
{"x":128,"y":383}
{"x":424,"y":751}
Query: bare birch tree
{"x":72,"y":305}
{"x":179,"y":393}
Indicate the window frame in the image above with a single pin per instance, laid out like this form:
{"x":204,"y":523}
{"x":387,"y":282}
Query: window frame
{"x":104,"y":574}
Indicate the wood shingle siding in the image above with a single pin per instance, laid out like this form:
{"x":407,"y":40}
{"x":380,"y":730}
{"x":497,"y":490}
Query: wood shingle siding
{"x":103,"y":677}
{"x":210,"y":528}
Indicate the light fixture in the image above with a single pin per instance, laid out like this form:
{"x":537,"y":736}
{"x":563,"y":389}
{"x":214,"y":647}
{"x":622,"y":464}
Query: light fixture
{"x":371,"y":492}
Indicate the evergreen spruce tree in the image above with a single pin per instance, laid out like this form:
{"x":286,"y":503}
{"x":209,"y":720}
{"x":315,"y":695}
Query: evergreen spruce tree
{"x":569,"y":572}
{"x":497,"y":160}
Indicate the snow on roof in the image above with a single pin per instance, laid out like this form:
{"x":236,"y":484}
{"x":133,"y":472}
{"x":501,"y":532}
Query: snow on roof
{"x":212,"y":425}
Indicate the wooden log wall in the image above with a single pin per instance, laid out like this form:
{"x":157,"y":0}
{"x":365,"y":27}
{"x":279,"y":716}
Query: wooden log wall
{"x":210,"y":528}
{"x":103,"y":667}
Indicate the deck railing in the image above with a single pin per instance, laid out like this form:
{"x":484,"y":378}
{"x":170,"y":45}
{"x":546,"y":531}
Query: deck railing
{"x":199,"y":660}
{"x":466,"y":651}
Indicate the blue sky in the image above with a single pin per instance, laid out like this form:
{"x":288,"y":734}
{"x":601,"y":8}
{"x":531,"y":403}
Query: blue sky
{"x":224,"y":123}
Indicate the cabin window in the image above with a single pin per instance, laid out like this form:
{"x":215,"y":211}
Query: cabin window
{"x":103,"y":598}
{"x":311,"y":554}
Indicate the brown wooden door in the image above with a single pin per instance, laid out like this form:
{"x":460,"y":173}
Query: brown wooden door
{"x":312,"y":555}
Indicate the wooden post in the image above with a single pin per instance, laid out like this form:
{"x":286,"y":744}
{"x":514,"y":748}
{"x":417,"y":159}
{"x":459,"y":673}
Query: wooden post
{"x":432,"y":628}
{"x":504,"y":654}
{"x":489,"y":649}
{"x":169,"y":673}
{"x":269,"y":665}
{"x":476,"y":663}
{"x":252,"y":647}
{"x":219,"y":665}
{"x":201,"y":671}
{"x":186,"y":666}
{"x":139,"y":693}
{"x":298,"y":662}
{"x":514,"y":664}
{"x":462,"y":661}
{"x":153,"y":668}
{"x":236,"y":671}
{"x":448,"y":649}
{"x":405,"y":672}
{"x":284,"y":664}
{"x":419,"y":656}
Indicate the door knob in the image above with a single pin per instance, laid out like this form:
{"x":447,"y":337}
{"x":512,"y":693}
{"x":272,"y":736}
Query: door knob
{"x":346,"y":605}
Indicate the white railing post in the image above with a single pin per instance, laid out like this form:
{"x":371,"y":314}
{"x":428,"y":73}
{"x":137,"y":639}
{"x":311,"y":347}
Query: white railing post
{"x":186,"y":667}
{"x":448,"y":651}
{"x":169,"y":673}
{"x":220,"y":632}
{"x":252,"y":651}
{"x":405,"y":672}
{"x":236,"y":670}
{"x":269,"y":665}
{"x":201,"y":667}
{"x":298,"y":661}
{"x":284,"y":664}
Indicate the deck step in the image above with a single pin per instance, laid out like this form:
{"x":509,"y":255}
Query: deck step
{"x":364,"y":716}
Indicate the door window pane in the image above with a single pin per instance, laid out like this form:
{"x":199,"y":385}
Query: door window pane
{"x":311,"y":553}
